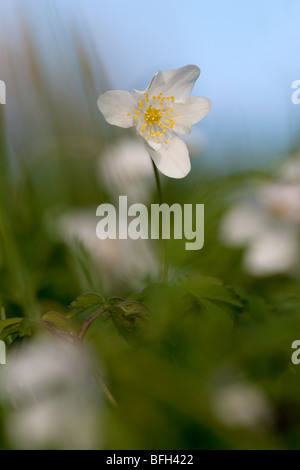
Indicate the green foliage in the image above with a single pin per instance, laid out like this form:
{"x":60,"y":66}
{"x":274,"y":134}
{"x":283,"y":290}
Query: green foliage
{"x":85,"y":302}
{"x":211,"y":289}
{"x":169,"y":349}
{"x":130,"y":318}
{"x":58,"y":321}
{"x":19,"y":327}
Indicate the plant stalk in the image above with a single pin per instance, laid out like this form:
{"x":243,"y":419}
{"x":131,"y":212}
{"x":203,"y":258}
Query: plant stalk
{"x":164,"y":274}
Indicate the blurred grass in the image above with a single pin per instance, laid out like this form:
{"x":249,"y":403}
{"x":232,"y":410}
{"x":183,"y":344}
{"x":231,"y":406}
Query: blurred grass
{"x":52,"y":136}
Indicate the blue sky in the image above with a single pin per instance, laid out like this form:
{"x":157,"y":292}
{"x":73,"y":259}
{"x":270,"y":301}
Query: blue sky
{"x":248,"y":53}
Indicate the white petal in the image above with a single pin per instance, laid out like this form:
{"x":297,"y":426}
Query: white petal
{"x":272,"y":253}
{"x":153,"y":145}
{"x":178,"y":83}
{"x":147,"y":142}
{"x":138,"y":95}
{"x":115,"y":106}
{"x":192,"y":110}
{"x":173,"y":159}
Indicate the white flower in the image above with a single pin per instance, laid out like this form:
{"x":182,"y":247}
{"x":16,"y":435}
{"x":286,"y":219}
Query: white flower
{"x":158,"y":114}
{"x":50,"y":385}
{"x":125,"y":168}
{"x":268,"y":223}
{"x":119,"y":261}
{"x":241,"y":405}
{"x":290,"y":171}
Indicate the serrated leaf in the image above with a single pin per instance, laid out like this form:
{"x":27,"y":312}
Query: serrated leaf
{"x":85,"y":302}
{"x":210,"y":288}
{"x":130,"y":319}
{"x":130,"y":308}
{"x":115,"y":300}
{"x":57,"y":320}
{"x":131,"y":328}
{"x":216,"y":314}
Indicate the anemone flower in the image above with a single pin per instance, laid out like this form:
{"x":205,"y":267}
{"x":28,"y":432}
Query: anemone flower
{"x":159,"y":113}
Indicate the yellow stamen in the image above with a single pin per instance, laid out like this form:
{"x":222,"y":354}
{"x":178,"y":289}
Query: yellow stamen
{"x":152,"y":115}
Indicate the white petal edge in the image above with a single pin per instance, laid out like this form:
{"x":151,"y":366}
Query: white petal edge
{"x":173,"y":159}
{"x":178,"y":82}
{"x":114,"y":105}
{"x":138,"y":95}
{"x":191,"y":111}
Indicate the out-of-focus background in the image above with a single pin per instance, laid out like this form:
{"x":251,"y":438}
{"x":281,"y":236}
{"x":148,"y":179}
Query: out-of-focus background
{"x":215,"y":369}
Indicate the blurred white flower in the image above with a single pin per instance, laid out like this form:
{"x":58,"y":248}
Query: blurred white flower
{"x":158,"y":113}
{"x":50,"y":385}
{"x":126,"y":169}
{"x":241,"y":405}
{"x":268,"y":224}
{"x":290,"y":171}
{"x":120,"y":261}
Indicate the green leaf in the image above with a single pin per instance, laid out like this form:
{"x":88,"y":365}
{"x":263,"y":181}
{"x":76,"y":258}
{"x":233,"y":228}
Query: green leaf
{"x":131,"y":320}
{"x":132,"y":328}
{"x":85,"y":302}
{"x":129,"y":308}
{"x":20,"y":326}
{"x":210,"y":288}
{"x":58,"y":321}
{"x":215,"y":314}
{"x":9,"y":322}
{"x":25,"y":328}
{"x":115,"y":300}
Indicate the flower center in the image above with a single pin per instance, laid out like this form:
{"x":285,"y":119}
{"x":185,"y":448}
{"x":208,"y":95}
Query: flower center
{"x":152,"y":115}
{"x":156,"y":123}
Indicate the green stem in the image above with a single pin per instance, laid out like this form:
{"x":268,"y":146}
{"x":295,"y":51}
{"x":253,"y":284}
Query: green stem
{"x":107,"y":393}
{"x":57,"y":332}
{"x":88,"y":322}
{"x":99,"y":379}
{"x":164,"y":241}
